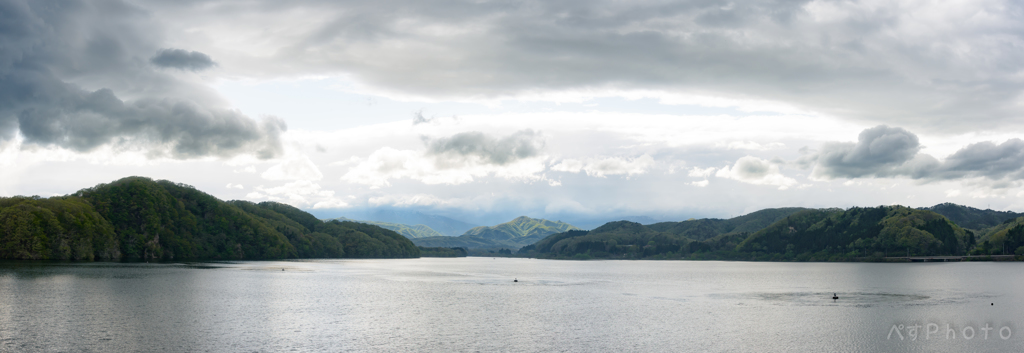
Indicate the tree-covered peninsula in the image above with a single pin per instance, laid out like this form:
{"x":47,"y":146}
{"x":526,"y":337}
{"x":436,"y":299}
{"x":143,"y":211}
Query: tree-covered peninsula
{"x":138,"y":218}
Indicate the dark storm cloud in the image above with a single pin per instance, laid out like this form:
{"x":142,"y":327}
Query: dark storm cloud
{"x":884,"y":151}
{"x":922,"y":66}
{"x":53,"y":50}
{"x":499,"y":151}
{"x":182,"y":59}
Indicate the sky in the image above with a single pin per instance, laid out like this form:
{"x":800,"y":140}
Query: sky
{"x":487,"y":110}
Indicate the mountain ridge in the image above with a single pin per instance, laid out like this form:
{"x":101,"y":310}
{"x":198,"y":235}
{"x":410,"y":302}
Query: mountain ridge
{"x":513,"y":234}
{"x":409,"y":231}
{"x":794,"y":235}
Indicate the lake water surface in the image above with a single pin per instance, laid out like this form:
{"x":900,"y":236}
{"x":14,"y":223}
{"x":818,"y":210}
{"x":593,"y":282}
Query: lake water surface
{"x":472,"y":304}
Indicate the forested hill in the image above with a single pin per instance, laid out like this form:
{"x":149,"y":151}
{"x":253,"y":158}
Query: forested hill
{"x":702,"y":229}
{"x":806,"y":235}
{"x":973,"y":218}
{"x":137,"y":218}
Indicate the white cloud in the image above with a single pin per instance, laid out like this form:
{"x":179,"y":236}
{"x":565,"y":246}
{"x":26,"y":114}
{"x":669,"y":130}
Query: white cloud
{"x":952,"y":193}
{"x":388,"y":163}
{"x":235,"y":186}
{"x":330,"y":204}
{"x":604,"y":166}
{"x":568,"y":165}
{"x":566,"y":206}
{"x":408,"y":200}
{"x":753,"y":170}
{"x":301,"y":193}
{"x":750,"y":145}
{"x":295,"y":168}
{"x":701,"y":173}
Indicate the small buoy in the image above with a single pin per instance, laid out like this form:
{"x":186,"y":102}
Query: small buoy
{"x":282,"y":269}
{"x":516,"y":280}
{"x":993,"y":304}
{"x":834,"y":296}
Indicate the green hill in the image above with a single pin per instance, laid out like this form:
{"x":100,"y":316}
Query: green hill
{"x":862,"y":231}
{"x":1006,"y":238}
{"x":702,"y":229}
{"x":973,"y":218}
{"x":411,"y":232}
{"x":137,"y":218}
{"x":804,"y":235}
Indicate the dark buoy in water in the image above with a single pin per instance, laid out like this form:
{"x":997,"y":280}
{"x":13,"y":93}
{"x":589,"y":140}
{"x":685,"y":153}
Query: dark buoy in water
{"x":516,"y":280}
{"x":282,"y":269}
{"x":993,"y":304}
{"x":835,"y":297}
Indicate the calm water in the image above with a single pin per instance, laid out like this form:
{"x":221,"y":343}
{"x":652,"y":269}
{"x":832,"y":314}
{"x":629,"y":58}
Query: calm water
{"x":471,"y":304}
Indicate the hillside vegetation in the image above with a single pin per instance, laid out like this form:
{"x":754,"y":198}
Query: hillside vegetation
{"x":794,"y":235}
{"x":973,"y":218}
{"x":137,"y":218}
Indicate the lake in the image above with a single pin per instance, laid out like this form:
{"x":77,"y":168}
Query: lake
{"x":472,"y":304}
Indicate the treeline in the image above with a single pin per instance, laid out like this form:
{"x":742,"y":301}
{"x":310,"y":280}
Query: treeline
{"x":794,"y":235}
{"x":443,"y":252}
{"x":137,"y":218}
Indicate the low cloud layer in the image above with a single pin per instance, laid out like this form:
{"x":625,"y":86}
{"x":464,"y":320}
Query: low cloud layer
{"x":884,"y":151}
{"x":879,"y":151}
{"x":604,"y":166}
{"x":753,"y":170}
{"x":477,"y":147}
{"x":182,"y":59}
{"x":61,"y":69}
{"x":454,"y":160}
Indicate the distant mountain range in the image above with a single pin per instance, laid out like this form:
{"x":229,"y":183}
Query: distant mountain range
{"x":513,"y":234}
{"x":440,"y":224}
{"x":524,"y":231}
{"x":411,"y":232}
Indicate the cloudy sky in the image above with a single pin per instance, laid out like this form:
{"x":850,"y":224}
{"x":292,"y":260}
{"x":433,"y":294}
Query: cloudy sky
{"x":486,"y":110}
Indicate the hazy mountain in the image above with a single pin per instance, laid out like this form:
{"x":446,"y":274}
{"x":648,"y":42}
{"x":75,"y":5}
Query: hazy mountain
{"x":441,"y":224}
{"x":521,"y":227}
{"x":513,"y":234}
{"x":411,"y":232}
{"x":972,"y":218}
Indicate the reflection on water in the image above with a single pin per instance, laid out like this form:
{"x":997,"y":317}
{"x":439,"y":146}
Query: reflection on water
{"x":854,"y":298}
{"x":472,"y":304}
